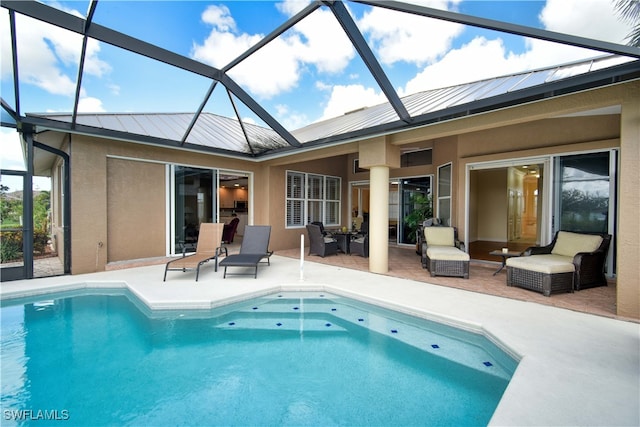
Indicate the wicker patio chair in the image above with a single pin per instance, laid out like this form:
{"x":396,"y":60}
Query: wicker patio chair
{"x":319,"y":244}
{"x":572,"y":261}
{"x":441,"y":253}
{"x":360,"y":243}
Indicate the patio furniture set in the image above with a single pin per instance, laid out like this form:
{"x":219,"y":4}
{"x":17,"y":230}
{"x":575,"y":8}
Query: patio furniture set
{"x":572,"y":261}
{"x":323,"y":242}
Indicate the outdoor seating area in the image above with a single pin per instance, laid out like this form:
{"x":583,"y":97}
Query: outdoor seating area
{"x":405,"y":263}
{"x":572,"y":261}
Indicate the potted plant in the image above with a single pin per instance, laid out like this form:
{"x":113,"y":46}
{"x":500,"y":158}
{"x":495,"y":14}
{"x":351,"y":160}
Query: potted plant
{"x":422,"y":209}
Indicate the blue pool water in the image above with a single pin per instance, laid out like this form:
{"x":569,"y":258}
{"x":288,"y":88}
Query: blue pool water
{"x":284,"y":359}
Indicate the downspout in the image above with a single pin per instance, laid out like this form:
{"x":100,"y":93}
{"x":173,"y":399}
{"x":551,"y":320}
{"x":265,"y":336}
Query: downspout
{"x":66,"y":201}
{"x":27,"y":209}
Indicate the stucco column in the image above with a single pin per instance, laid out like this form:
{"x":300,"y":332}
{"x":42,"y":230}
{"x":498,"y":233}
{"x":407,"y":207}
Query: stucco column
{"x":628,"y":240}
{"x":379,"y":220}
{"x":378,"y":155}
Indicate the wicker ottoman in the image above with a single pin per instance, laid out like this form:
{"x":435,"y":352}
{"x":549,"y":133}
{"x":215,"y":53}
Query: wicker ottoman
{"x":446,"y":261}
{"x":547,"y":274}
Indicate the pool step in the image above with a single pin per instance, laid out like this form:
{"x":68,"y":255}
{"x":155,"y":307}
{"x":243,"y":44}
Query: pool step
{"x":325,"y":315}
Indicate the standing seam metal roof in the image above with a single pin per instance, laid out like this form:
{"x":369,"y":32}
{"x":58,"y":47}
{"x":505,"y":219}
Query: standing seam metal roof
{"x":221,"y":133}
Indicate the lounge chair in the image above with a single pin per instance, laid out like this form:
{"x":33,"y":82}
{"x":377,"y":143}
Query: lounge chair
{"x":320,"y":244}
{"x":207,"y":248}
{"x":442,"y":254}
{"x":253,"y":249}
{"x":572,"y":261}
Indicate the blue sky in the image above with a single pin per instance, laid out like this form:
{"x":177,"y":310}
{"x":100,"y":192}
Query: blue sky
{"x":308,"y":74}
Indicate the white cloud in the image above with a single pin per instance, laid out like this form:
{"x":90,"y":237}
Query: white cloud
{"x":291,"y":7}
{"x":398,"y":36}
{"x":486,"y":58}
{"x":351,"y":97}
{"x":290,"y":119}
{"x":594,"y":19}
{"x":11,"y":154}
{"x":316,"y":41}
{"x":11,"y":158}
{"x":90,"y":105}
{"x":49,"y":56}
{"x":482,"y":58}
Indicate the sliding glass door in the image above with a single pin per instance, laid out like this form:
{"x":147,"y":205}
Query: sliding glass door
{"x":585,"y":196}
{"x":415,"y":206}
{"x":584,"y":192}
{"x":195,"y":198}
{"x":410,"y":203}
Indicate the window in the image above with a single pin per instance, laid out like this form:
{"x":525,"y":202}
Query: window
{"x":444,"y":194}
{"x":583,"y":192}
{"x":312,"y":197}
{"x":416,"y":158}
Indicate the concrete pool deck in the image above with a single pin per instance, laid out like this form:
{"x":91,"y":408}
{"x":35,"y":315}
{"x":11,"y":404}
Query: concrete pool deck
{"x":575,"y":368}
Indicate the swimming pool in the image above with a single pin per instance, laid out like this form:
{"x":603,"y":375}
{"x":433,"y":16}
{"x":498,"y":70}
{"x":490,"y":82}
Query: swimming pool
{"x":283,"y":359}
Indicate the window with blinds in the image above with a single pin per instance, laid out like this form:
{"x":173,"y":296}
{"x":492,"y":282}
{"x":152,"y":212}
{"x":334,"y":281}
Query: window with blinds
{"x":312,"y":197}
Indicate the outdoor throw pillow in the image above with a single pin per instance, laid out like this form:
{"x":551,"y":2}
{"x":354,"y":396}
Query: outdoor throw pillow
{"x":439,"y":236}
{"x":569,"y":244}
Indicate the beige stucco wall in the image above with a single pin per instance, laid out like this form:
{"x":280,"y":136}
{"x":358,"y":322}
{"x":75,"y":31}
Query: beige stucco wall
{"x":282,"y":237}
{"x":628,"y":238}
{"x":530,"y":130}
{"x":98,"y":237}
{"x":136,"y":209}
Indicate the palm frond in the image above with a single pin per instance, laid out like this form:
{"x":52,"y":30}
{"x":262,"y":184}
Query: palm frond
{"x":629,"y":11}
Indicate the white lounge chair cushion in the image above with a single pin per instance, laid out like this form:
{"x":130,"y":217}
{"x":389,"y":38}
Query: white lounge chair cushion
{"x":569,"y":244}
{"x":329,"y":239}
{"x":547,"y":264}
{"x":446,"y":253}
{"x":439,"y":236}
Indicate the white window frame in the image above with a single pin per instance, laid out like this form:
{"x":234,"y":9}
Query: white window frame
{"x":444,"y":199}
{"x":305,"y":199}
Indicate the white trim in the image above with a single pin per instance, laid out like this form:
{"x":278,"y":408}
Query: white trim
{"x":548,"y":180}
{"x":306,"y":199}
{"x":614,"y":187}
{"x":171,"y":210}
{"x":169,"y":228}
{"x":450,"y":196}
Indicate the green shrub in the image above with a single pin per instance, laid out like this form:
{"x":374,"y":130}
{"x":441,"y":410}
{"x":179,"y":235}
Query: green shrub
{"x":10,"y":246}
{"x":40,"y":239}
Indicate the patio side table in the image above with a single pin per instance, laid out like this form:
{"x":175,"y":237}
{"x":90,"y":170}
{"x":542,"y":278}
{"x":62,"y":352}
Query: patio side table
{"x":504,"y":256}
